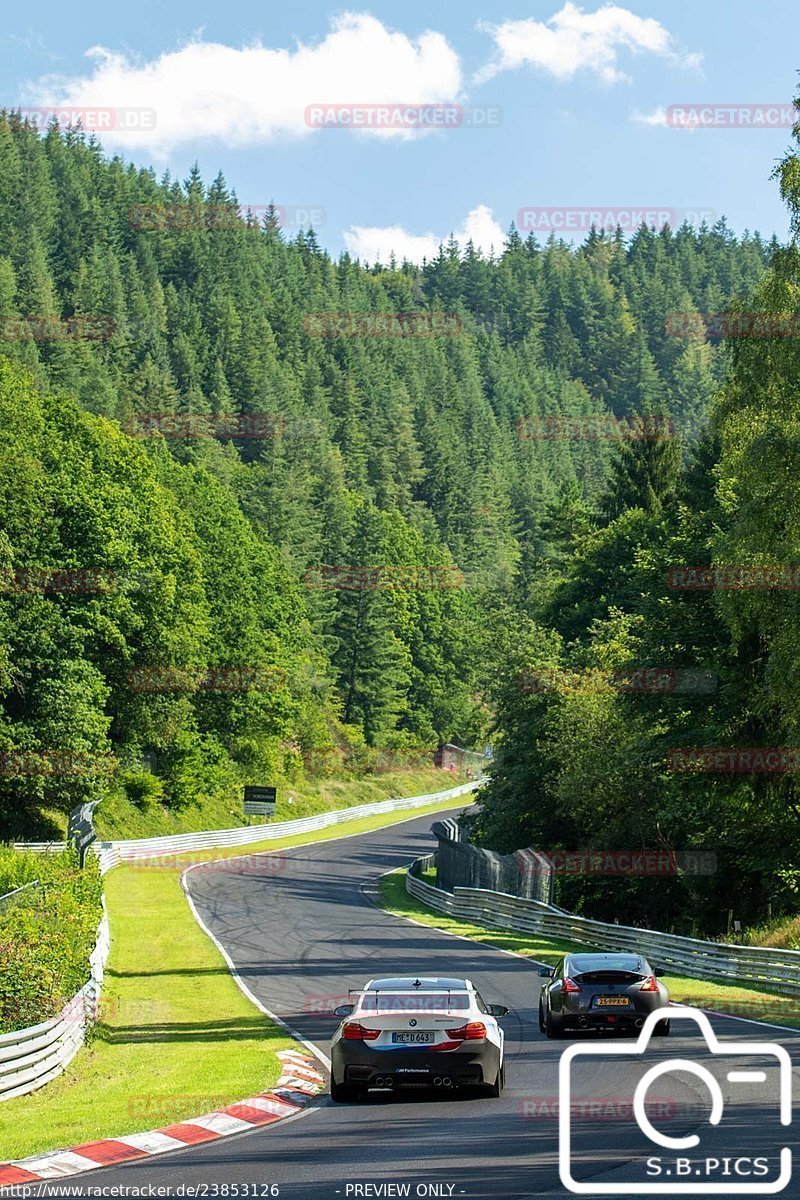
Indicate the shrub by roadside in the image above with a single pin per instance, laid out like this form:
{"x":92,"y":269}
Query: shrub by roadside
{"x":46,"y":935}
{"x":783,"y":933}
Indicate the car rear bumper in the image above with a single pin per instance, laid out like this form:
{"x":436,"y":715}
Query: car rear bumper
{"x":355,"y":1063}
{"x":587,"y":1016}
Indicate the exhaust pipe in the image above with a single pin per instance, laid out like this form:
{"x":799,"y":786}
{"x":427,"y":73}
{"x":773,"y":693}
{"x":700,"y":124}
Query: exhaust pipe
{"x":583,"y":1023}
{"x":639,"y":1022}
{"x":437,"y":1081}
{"x":447,"y":1081}
{"x":383,"y":1081}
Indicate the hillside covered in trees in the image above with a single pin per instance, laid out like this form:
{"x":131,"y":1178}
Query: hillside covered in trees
{"x":227,"y":540}
{"x":700,"y":753}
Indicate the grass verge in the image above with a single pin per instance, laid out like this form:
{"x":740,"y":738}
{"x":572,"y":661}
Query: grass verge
{"x":746,"y":1002}
{"x":177,"y":1037}
{"x":117,"y":817}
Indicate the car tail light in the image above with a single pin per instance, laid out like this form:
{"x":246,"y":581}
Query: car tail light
{"x":352,"y":1031}
{"x":473,"y":1029}
{"x":571,"y":986}
{"x":650,"y":984}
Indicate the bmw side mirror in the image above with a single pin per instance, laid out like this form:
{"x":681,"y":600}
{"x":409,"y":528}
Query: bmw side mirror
{"x":658,"y":974}
{"x":343,"y":1010}
{"x":546,"y":972}
{"x":498,"y":1010}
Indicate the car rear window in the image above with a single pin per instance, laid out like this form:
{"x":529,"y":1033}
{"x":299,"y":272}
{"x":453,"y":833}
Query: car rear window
{"x":608,"y":975}
{"x":414,"y":1002}
{"x":586,"y":963}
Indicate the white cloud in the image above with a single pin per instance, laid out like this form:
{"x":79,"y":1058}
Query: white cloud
{"x":374,"y":243}
{"x":253,"y":94}
{"x":657,"y":117}
{"x":573,"y":40}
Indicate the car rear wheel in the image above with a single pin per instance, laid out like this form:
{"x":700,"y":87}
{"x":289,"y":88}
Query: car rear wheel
{"x":662,"y":1029}
{"x":541,"y":1017}
{"x":494,"y":1090}
{"x":342,"y":1092}
{"x":551,"y":1028}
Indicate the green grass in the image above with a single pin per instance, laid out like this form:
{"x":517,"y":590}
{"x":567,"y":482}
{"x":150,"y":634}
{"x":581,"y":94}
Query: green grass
{"x":117,"y":817}
{"x":177,"y":1036}
{"x":783,"y":933}
{"x":724,"y":997}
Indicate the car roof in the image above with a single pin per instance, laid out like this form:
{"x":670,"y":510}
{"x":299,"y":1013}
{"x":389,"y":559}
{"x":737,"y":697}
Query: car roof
{"x":418,"y":983}
{"x":596,"y":962}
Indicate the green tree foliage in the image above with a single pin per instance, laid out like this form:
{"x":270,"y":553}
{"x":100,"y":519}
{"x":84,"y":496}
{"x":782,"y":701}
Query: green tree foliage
{"x":584,"y":760}
{"x":408,"y":452}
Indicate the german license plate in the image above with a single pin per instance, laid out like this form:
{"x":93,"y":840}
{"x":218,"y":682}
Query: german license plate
{"x":612,"y":1001}
{"x":414,"y":1038}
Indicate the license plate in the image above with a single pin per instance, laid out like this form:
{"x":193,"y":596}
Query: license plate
{"x":612,"y":1001}
{"x":414,"y":1038}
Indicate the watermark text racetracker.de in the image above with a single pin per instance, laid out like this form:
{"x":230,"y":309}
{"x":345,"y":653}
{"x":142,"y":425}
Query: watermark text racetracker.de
{"x":46,"y":328}
{"x":56,"y":761}
{"x":78,"y":581}
{"x":609,"y":217}
{"x":729,"y":578}
{"x":204,"y":1190}
{"x":205,"y":425}
{"x":736,"y":115}
{"x":629,"y":862}
{"x":404,"y":118}
{"x":264,"y":863}
{"x":181,"y":215}
{"x":753,"y":760}
{"x":216,"y":678}
{"x":91,"y":119}
{"x":698,"y":325}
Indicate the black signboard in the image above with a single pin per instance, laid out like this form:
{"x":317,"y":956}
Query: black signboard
{"x":260,"y":801}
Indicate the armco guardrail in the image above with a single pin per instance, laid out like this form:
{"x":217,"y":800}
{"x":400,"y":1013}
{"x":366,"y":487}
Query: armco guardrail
{"x":111,"y":854}
{"x":763,"y":966}
{"x":30,"y":1058}
{"x":17,"y":894}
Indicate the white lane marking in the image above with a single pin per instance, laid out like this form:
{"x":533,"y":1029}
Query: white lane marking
{"x":251,"y":996}
{"x":747,"y":1076}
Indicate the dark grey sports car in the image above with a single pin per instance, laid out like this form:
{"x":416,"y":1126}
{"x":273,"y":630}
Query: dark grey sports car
{"x":614,"y":992}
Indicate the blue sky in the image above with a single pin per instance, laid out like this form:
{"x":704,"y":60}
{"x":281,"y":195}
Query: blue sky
{"x":575,"y":97}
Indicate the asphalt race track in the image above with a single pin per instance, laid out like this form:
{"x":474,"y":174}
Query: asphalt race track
{"x":302,"y":930}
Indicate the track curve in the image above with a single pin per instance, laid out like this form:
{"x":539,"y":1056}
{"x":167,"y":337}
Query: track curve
{"x":303,"y":930}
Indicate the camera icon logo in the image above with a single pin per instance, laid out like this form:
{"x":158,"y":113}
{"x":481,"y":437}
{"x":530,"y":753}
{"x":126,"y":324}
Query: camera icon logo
{"x":683,"y":1179}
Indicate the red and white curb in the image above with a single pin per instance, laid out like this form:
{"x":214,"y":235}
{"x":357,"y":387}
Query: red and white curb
{"x":298,"y":1084}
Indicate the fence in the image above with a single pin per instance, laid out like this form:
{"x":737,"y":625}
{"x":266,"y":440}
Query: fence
{"x":111,"y":854}
{"x":17,"y":894}
{"x":762,"y":966}
{"x":460,"y":864}
{"x":30,"y":1058}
